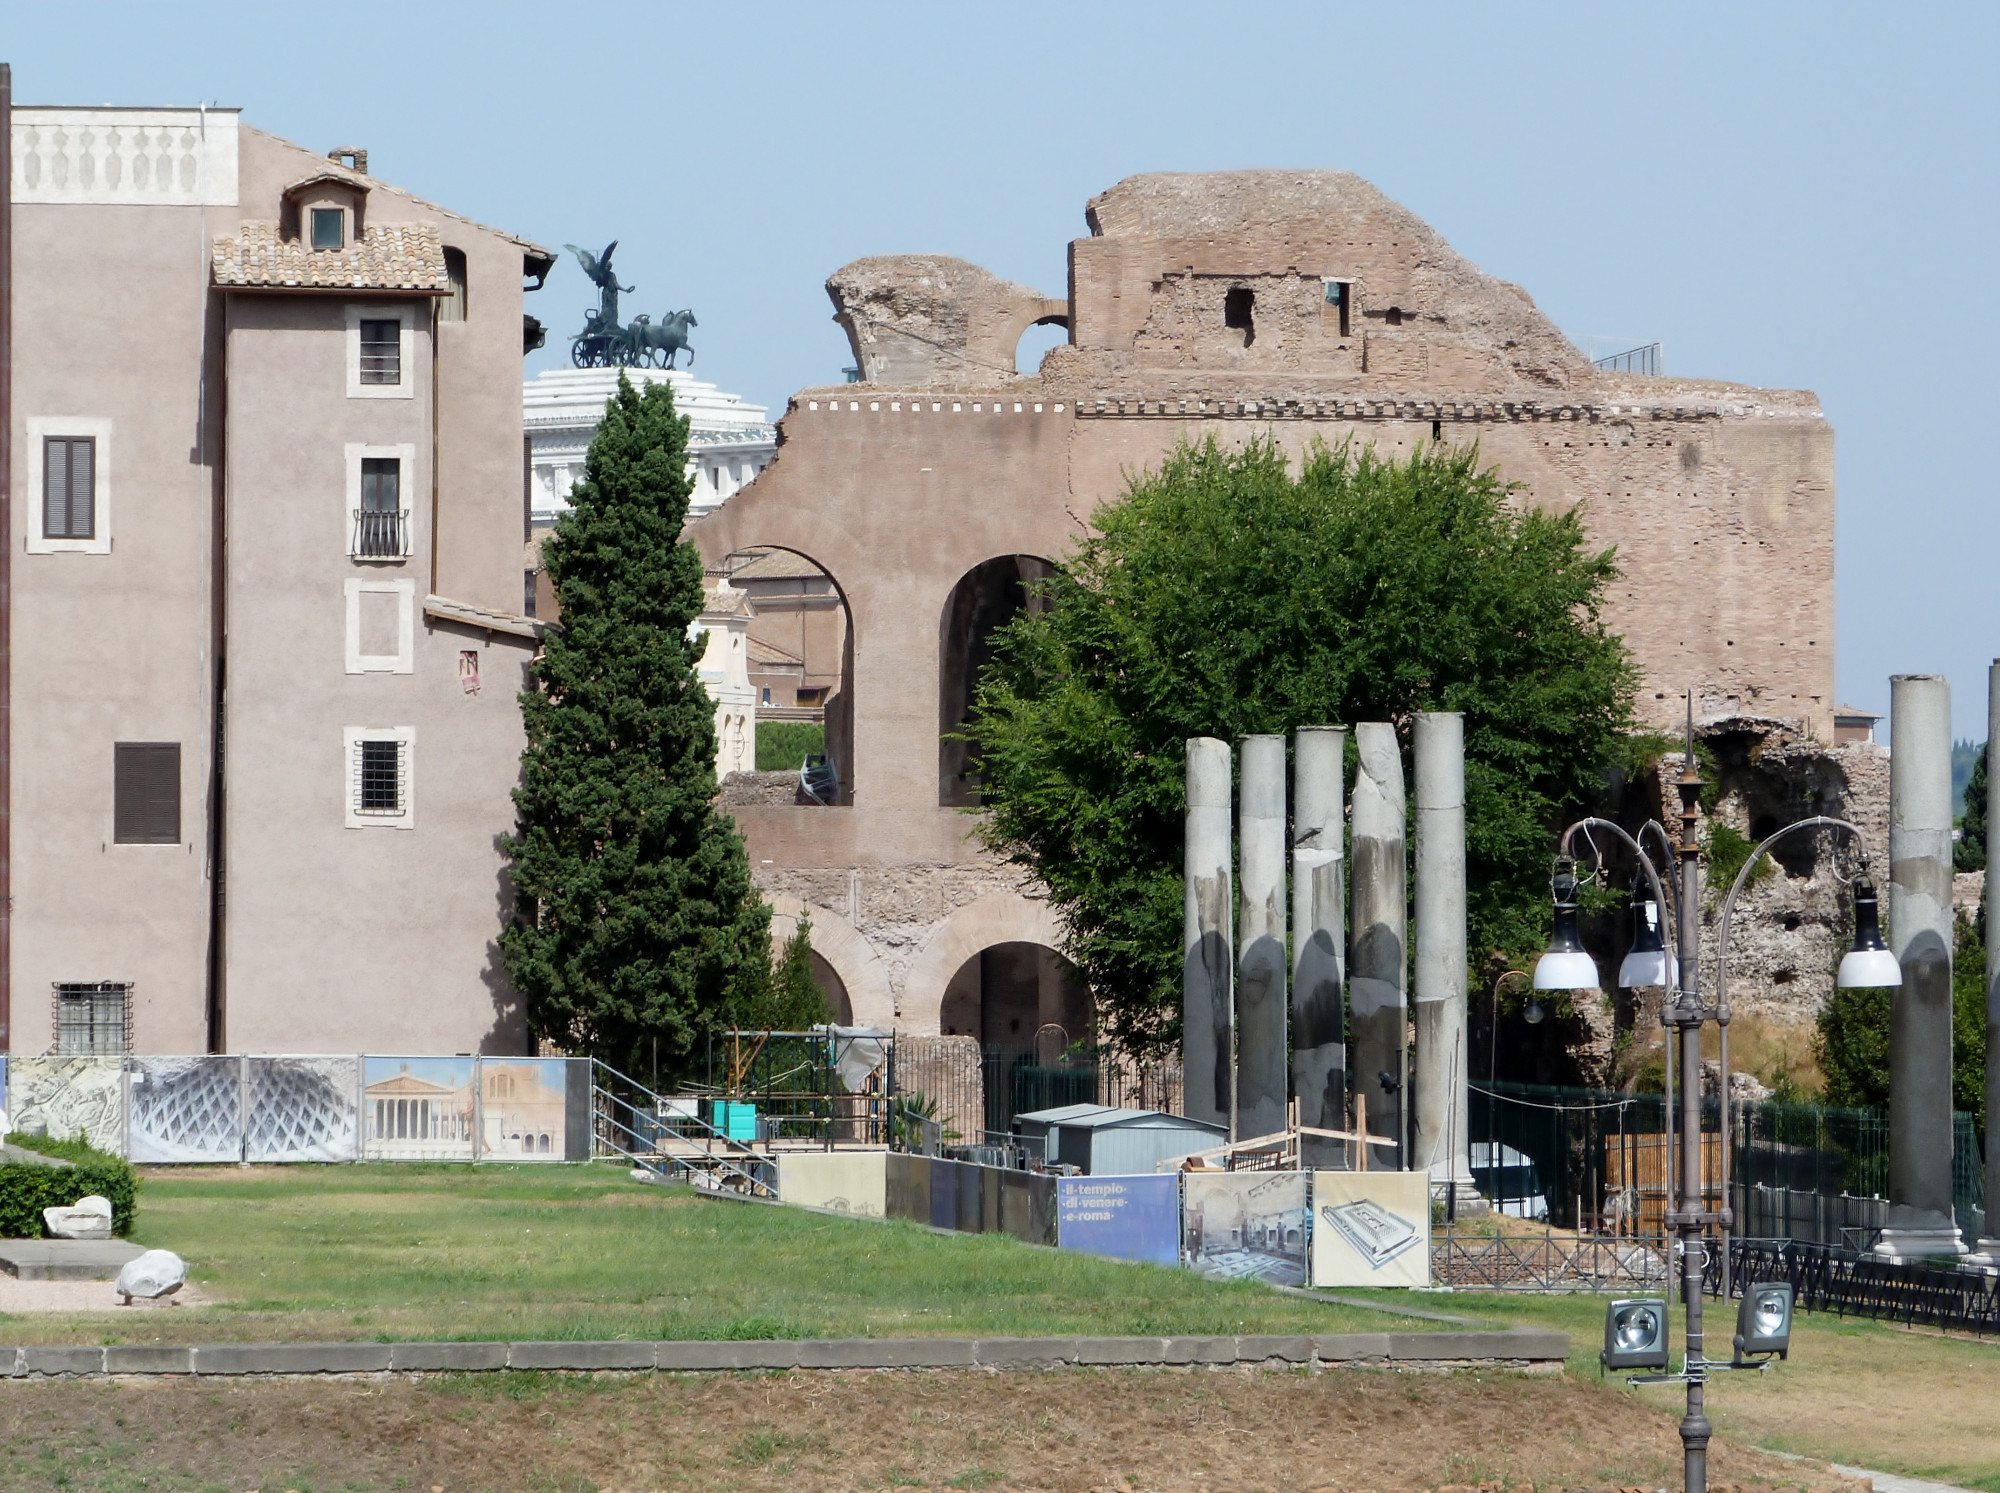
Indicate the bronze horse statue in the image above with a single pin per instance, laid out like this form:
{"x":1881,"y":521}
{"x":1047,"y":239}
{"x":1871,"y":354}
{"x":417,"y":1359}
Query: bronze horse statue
{"x":658,"y":343}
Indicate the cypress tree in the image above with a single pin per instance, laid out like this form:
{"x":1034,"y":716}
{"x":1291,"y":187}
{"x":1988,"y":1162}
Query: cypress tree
{"x":636,"y":921}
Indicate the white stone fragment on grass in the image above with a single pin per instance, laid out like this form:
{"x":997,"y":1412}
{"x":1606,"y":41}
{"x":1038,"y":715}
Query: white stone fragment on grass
{"x":156,"y":1273}
{"x":87,"y":1218}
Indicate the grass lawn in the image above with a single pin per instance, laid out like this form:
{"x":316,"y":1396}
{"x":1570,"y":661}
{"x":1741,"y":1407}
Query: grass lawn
{"x":307,"y":1254}
{"x":1864,"y":1394}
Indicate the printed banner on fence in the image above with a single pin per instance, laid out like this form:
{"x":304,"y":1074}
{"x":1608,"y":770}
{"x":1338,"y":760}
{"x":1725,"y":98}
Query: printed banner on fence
{"x":301,"y":1109}
{"x":845,"y":1181}
{"x":185,"y":1109}
{"x":69,"y":1097}
{"x":1128,"y":1218}
{"x":417,"y":1109}
{"x":1371,"y":1229}
{"x":523,"y":1109}
{"x":1245,"y":1225}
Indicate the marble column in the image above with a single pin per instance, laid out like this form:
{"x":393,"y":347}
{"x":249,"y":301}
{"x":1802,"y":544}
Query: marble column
{"x":1208,"y":1025}
{"x":1377,"y":979}
{"x":1440,"y":1100}
{"x":1263,"y":1070}
{"x":1319,"y":940}
{"x":1920,"y":1214}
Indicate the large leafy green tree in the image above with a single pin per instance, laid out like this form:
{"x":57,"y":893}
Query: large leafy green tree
{"x":1851,"y":1041}
{"x":1969,"y":853}
{"x":637,"y":925}
{"x":1225,"y":594}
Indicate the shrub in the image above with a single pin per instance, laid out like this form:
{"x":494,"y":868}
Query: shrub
{"x":27,"y":1187}
{"x":782,"y":746}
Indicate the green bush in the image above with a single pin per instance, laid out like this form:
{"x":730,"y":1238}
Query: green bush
{"x":27,"y":1187}
{"x":782,"y":745}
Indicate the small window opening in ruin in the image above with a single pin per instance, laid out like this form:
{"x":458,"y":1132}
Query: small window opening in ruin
{"x":1238,"y":312}
{"x":1437,"y":430}
{"x":1339,"y":298}
{"x":1393,"y":316}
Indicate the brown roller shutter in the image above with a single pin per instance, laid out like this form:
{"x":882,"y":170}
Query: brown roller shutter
{"x":146,"y":794}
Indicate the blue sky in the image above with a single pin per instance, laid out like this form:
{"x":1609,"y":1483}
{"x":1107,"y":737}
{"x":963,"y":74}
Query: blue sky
{"x":1785,"y":195}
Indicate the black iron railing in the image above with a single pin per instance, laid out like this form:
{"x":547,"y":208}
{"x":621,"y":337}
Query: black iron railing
{"x":380,"y":536}
{"x":1825,"y":1279}
{"x":1644,"y":360}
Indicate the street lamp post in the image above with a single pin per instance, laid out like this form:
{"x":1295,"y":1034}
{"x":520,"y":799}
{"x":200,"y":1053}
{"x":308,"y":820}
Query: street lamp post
{"x":1684,"y":1014}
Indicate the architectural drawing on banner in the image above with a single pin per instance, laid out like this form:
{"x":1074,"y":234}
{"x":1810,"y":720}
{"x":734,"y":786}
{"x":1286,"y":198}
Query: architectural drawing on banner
{"x":301,"y":1109}
{"x":522,"y":1109}
{"x":1371,"y":1229}
{"x":1245,"y":1225}
{"x":184,"y":1109}
{"x":69,"y":1097}
{"x":417,"y":1109}
{"x":1127,"y":1218}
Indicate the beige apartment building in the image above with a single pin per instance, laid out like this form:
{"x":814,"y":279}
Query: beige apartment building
{"x":266,"y":468}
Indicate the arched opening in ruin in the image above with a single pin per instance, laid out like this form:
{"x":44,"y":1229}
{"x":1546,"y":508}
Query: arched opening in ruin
{"x":801,"y":668}
{"x":1037,"y":341}
{"x":827,"y":978}
{"x":986,"y":599}
{"x":1030,"y":1012}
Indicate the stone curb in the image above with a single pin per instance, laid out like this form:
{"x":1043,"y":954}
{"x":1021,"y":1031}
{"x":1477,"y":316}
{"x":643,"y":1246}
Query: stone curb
{"x":1521,"y":1348}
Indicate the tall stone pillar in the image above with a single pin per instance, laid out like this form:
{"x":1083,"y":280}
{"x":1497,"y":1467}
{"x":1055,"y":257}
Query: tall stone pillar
{"x":1920,"y":1217}
{"x":1208,"y":1024}
{"x":1376,"y":979}
{"x":1262,"y":1068}
{"x":1319,"y":940}
{"x":1440,"y":986}
{"x":1989,"y":1242}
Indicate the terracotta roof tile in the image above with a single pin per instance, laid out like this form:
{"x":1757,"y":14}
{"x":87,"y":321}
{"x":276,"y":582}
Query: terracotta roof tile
{"x":768,"y":654}
{"x":776,"y":565}
{"x":387,"y":256}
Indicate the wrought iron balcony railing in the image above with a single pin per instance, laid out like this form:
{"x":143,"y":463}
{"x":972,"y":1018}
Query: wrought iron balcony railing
{"x":380,"y":536}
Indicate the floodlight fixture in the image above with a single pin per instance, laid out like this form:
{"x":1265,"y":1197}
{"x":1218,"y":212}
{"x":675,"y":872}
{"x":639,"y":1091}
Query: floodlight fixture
{"x":1647,"y":963}
{"x":1764,"y":1319}
{"x":1635,"y":1334}
{"x":1564,"y":965}
{"x":1869,"y":964}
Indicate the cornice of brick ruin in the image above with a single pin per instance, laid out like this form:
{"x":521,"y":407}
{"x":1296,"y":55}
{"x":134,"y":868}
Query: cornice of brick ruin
{"x":1149,"y":332}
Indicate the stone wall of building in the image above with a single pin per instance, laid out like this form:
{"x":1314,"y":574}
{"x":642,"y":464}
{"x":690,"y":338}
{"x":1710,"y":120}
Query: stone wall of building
{"x":1298,"y":307}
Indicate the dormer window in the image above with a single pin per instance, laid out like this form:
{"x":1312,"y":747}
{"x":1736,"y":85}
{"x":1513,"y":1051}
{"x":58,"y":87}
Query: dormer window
{"x":329,"y":228}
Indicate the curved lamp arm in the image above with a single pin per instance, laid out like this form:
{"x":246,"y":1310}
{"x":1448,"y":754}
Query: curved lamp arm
{"x":1818,"y":821}
{"x":1652,"y":873}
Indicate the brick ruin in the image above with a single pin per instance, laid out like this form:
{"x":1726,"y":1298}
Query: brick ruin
{"x":1303,"y":306}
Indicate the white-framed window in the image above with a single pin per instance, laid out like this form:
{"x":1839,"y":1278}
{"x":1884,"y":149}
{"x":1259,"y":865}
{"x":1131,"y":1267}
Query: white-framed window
{"x":69,"y":485}
{"x":381,"y":626}
{"x":378,"y":762}
{"x":377,"y":516}
{"x":381,"y":350}
{"x":327,"y":228}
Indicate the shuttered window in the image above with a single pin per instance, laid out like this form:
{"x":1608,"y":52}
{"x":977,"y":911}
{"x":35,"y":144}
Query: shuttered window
{"x":69,"y":487}
{"x":452,"y":307}
{"x":146,"y":793}
{"x":381,"y":352}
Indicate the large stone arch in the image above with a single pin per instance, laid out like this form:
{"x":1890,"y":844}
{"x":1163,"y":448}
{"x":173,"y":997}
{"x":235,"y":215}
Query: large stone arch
{"x":848,"y":951}
{"x":997,"y":918}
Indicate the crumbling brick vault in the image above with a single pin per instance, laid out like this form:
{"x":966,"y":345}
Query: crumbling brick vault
{"x":1297,"y":304}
